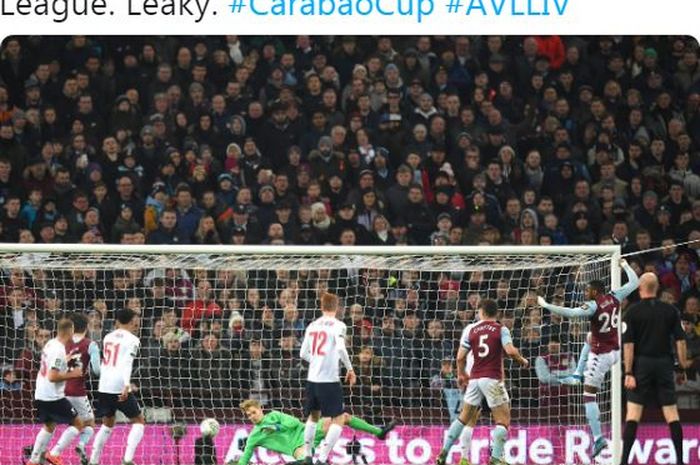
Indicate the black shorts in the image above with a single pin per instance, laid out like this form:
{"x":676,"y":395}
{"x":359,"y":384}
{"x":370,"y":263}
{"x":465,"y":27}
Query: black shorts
{"x":55,"y":411}
{"x":655,"y":382}
{"x":107,"y":405}
{"x":326,"y":397}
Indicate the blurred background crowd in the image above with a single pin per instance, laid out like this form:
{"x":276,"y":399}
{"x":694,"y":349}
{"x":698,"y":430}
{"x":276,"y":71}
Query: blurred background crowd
{"x":341,"y":140}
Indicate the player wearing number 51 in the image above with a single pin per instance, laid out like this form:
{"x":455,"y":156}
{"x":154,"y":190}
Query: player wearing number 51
{"x":323,"y":347}
{"x":602,"y":350}
{"x":114,"y":390}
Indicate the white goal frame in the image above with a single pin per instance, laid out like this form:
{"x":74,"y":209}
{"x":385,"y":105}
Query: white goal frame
{"x":613,"y":251}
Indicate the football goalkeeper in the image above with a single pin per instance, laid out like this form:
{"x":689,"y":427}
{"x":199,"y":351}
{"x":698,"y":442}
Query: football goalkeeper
{"x":279,"y":432}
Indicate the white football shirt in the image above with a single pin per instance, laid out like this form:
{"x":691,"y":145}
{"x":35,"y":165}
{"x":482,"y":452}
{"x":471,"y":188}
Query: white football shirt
{"x":53,"y":357}
{"x":464,"y":342}
{"x":323,"y":347}
{"x":119,"y":348}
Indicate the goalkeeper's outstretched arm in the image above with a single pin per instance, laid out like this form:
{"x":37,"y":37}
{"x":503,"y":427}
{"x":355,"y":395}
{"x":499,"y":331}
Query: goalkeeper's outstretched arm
{"x":587,"y":309}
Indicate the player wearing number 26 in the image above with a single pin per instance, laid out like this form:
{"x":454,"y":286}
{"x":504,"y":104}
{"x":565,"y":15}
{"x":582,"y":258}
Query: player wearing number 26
{"x":603,"y":311}
{"x":119,"y":350}
{"x":324,"y":347}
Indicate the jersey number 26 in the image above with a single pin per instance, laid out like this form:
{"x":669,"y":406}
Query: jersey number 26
{"x":608,"y":321}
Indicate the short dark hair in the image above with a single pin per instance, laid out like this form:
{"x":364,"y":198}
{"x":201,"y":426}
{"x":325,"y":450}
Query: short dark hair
{"x":125,"y":315}
{"x":80,"y":321}
{"x":597,"y":285}
{"x":489,"y":307}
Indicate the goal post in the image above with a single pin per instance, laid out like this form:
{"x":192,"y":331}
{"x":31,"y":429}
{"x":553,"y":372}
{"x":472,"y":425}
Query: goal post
{"x":223,"y":323}
{"x":616,"y":372}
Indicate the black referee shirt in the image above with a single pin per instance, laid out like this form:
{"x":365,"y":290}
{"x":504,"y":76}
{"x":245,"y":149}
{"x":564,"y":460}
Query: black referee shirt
{"x":652,"y":325}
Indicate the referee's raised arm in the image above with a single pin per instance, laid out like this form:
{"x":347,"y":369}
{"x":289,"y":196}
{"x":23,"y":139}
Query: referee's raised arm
{"x":648,"y":330}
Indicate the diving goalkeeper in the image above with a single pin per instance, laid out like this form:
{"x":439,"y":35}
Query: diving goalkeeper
{"x":279,"y":432}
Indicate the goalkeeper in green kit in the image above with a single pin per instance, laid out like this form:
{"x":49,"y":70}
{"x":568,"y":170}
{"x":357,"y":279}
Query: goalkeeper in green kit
{"x":282,"y":433}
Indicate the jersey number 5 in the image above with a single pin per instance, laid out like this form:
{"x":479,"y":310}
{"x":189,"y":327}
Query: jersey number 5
{"x":483,"y":347}
{"x":111,"y":352}
{"x":318,"y":342}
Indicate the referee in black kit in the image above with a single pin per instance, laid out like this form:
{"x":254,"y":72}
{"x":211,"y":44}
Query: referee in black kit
{"x":649,"y":328}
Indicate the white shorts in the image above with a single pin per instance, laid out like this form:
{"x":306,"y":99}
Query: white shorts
{"x":597,"y":366}
{"x":83,"y":407}
{"x":493,"y":389}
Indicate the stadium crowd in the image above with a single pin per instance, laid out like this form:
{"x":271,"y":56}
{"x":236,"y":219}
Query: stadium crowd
{"x":340,"y":140}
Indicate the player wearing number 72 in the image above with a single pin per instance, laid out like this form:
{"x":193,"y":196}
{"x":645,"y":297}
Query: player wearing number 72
{"x":603,"y":311}
{"x":324,"y":347}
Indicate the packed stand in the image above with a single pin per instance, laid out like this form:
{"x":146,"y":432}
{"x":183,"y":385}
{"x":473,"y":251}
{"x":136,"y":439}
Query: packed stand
{"x":344,"y":140}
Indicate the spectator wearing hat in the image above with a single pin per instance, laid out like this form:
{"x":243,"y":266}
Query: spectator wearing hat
{"x":266,"y":206}
{"x":344,"y":219}
{"x":241,"y":222}
{"x":324,"y":161}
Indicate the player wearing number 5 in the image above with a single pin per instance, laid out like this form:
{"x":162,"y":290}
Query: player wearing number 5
{"x":323,"y":347}
{"x":488,"y":341}
{"x":114,"y":390}
{"x":603,"y":311}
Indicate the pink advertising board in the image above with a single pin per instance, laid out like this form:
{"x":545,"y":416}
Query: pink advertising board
{"x":415,"y":445}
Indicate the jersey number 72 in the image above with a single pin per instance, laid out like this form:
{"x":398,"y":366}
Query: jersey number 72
{"x":318,"y":342}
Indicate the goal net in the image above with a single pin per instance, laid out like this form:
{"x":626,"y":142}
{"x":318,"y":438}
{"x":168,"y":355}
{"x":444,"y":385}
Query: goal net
{"x":222,"y":324}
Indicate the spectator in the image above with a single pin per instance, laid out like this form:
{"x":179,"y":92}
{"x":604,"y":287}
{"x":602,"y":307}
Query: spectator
{"x":9,"y":381}
{"x":215,"y":367}
{"x":203,"y":306}
{"x":541,"y":140}
{"x":368,"y":368}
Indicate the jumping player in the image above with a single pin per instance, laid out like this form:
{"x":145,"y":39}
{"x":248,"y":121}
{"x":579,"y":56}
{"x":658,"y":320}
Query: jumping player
{"x":50,"y":399}
{"x":279,"y":432}
{"x":488,"y":340}
{"x":603,"y":311}
{"x":323,"y":347}
{"x":114,"y":391}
